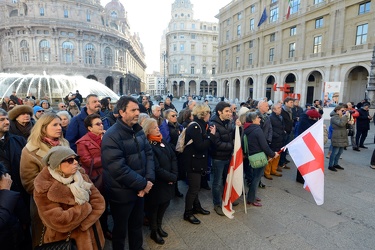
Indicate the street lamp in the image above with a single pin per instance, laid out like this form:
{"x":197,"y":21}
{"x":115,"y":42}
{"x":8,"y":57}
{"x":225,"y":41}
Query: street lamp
{"x":164,"y":59}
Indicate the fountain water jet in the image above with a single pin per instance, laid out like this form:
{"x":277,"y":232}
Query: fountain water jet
{"x":55,"y":87}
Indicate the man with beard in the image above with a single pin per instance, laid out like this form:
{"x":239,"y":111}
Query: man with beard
{"x":129,"y":173}
{"x":76,"y":128}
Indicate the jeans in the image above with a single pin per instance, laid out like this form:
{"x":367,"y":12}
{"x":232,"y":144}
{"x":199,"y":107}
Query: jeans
{"x":257,"y":174}
{"x":335,"y":156}
{"x":219,"y":173}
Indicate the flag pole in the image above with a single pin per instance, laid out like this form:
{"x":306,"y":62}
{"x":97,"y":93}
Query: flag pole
{"x":244,"y":197}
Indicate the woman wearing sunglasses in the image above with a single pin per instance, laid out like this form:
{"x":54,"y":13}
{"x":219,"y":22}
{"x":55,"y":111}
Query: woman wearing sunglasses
{"x":89,"y":150}
{"x":45,"y":134}
{"x":68,"y":203}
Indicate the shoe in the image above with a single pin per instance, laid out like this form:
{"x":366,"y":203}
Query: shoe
{"x":327,"y":156}
{"x":279,"y":169}
{"x":156,"y":237}
{"x":363,"y":147}
{"x":338,"y":167}
{"x":218,"y":210}
{"x":287,"y":161}
{"x":108,"y":235}
{"x":277,"y":174}
{"x":332,"y":169}
{"x":235,"y":203}
{"x":372,"y":166}
{"x":161,"y":232}
{"x":261,"y":185}
{"x":356,"y":149}
{"x":268,"y":177}
{"x":192,"y":219}
{"x":200,"y":210}
{"x":285,"y":167}
{"x":258,"y":199}
{"x":255,"y":204}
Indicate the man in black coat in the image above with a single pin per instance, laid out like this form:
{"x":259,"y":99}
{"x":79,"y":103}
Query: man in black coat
{"x":287,"y":115}
{"x":129,"y":172}
{"x":363,"y":125}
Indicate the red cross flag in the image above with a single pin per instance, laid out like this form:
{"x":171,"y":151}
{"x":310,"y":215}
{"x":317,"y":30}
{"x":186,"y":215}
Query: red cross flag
{"x":234,"y":183}
{"x":307,"y":152}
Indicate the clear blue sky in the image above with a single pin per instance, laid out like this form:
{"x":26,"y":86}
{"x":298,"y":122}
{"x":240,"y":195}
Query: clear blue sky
{"x":150,"y":17}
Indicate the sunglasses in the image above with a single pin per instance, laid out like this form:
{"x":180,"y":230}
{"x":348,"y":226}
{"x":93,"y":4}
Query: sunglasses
{"x":98,"y":124}
{"x":71,"y":160}
{"x":40,"y":111}
{"x":62,"y":106}
{"x":174,"y":115}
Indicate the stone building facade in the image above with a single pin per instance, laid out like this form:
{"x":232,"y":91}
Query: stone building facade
{"x":322,"y":41}
{"x":73,"y":38}
{"x":191,"y":52}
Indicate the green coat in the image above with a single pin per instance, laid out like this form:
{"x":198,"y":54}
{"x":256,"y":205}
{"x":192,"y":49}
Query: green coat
{"x":339,"y":133}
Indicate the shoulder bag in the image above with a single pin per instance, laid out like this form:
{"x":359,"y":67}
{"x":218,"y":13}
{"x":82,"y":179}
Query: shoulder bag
{"x":257,"y":160}
{"x":68,"y":244}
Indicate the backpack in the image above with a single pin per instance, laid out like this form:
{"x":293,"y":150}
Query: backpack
{"x":180,"y":145}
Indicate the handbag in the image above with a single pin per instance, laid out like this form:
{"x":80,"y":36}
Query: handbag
{"x":68,"y":244}
{"x":257,"y":160}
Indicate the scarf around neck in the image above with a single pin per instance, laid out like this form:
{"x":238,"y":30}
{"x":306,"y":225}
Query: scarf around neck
{"x":155,"y":138}
{"x":79,"y":187}
{"x":52,"y":142}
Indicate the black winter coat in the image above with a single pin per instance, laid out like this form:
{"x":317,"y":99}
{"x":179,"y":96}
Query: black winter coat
{"x":363,"y":123}
{"x":165,"y":171}
{"x":196,"y":154}
{"x":288,"y":121}
{"x":128,"y":162}
{"x":223,"y":147}
{"x":305,"y":123}
{"x":257,"y":141}
{"x":278,"y":132}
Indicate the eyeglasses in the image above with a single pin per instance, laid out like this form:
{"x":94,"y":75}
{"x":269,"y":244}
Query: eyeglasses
{"x":71,"y":160}
{"x":40,"y":111}
{"x":98,"y":124}
{"x":62,"y":106}
{"x":173,"y":115}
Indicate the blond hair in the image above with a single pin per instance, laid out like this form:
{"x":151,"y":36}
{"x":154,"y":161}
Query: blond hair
{"x":201,"y":110}
{"x":147,"y":125}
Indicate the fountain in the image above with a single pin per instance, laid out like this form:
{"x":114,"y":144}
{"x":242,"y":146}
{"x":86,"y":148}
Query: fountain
{"x":55,"y":87}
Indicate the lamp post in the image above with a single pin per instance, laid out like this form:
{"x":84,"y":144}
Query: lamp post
{"x":164,"y":59}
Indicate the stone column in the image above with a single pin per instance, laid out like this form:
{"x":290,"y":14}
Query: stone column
{"x":371,"y":82}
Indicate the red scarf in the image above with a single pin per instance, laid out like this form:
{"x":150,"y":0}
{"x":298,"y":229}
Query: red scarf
{"x":156,"y":138}
{"x":95,"y":138}
{"x":51,"y":142}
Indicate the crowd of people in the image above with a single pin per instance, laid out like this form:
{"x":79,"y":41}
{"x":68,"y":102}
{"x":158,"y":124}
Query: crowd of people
{"x":64,"y":170}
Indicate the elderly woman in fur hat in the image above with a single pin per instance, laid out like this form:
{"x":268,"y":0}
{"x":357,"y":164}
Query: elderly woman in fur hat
{"x":45,"y":134}
{"x":68,"y":203}
{"x":20,"y":120}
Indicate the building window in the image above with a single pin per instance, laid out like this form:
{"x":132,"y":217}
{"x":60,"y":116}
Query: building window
{"x":182,"y":36}
{"x":45,"y":51}
{"x":108,"y":56}
{"x":252,"y":24}
{"x":182,"y":47}
{"x":364,"y":8}
{"x":24,"y":51}
{"x":317,"y":44}
{"x":114,"y":14}
{"x":14,"y":1}
{"x":250,"y":58}
{"x":192,"y":47}
{"x":213,"y":71}
{"x":193,"y":26}
{"x":293,"y":31}
{"x":192,"y":36}
{"x":251,"y":43}
{"x":238,"y":30}
{"x":41,"y":11}
{"x":227,"y":52}
{"x":88,"y":16}
{"x":204,"y":70}
{"x":226,"y":63}
{"x":274,"y":14}
{"x":89,"y":54}
{"x":214,"y":38}
{"x":239,"y":16}
{"x":227,"y":35}
{"x":272,"y":54}
{"x":272,"y":37}
{"x":237,"y":62}
{"x":67,"y":52}
{"x":238,"y":47}
{"x":318,"y":23}
{"x":361,"y":37}
{"x":292,"y":49}
{"x":174,"y":47}
{"x":228,"y":21}
{"x":252,"y":8}
{"x":192,"y":71}
{"x":182,"y":25}
{"x":66,"y":13}
{"x":318,"y":1}
{"x":294,"y":6}
{"x":175,"y":26}
{"x":192,"y":58}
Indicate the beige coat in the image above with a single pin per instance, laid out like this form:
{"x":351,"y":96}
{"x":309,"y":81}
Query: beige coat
{"x":61,"y":214}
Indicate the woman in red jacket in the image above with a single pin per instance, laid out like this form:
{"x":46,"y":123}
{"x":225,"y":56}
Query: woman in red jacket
{"x":89,"y":150}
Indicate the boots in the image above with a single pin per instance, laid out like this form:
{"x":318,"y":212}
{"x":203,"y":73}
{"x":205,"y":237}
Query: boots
{"x":156,"y":237}
{"x":161,"y":232}
{"x":198,"y":209}
{"x":188,"y":216}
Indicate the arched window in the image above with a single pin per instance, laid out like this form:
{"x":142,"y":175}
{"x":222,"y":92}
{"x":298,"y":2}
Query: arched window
{"x":89,"y":54}
{"x":68,"y":52}
{"x":45,"y":51}
{"x":108,"y":56}
{"x":24,"y":50}
{"x":114,"y":14}
{"x":41,"y":11}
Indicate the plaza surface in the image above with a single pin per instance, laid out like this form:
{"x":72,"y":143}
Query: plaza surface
{"x":289,"y":218}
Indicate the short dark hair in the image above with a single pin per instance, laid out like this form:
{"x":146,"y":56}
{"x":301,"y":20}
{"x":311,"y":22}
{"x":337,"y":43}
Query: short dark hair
{"x":251,"y":116}
{"x":221,"y":106}
{"x":90,"y":95}
{"x":288,"y":99}
{"x":88,"y":120}
{"x":124,"y":101}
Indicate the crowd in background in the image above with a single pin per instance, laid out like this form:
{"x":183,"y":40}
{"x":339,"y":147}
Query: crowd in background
{"x":64,"y":169}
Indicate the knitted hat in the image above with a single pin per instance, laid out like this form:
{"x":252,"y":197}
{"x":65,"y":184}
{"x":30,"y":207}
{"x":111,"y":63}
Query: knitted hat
{"x":242,"y":110}
{"x":19,"y":110}
{"x":56,"y":155}
{"x":37,"y":108}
